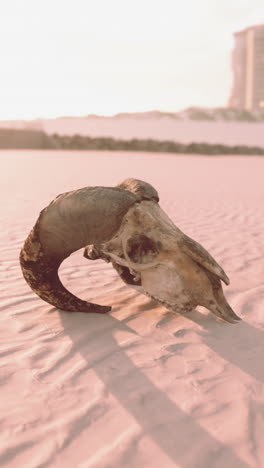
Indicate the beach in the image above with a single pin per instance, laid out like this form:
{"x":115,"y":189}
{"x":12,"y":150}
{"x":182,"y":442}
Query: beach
{"x":140,"y":386}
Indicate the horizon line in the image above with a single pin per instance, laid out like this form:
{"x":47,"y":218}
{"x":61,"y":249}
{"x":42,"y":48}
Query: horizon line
{"x":150,"y":111}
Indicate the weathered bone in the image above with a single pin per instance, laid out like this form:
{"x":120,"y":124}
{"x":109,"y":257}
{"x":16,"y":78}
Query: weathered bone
{"x":124,"y":225}
{"x":175,"y":270}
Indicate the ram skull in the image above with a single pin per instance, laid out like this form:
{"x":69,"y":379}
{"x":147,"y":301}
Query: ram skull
{"x":126,"y":226}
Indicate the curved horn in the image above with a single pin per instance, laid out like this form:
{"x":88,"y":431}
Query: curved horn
{"x":73,"y":220}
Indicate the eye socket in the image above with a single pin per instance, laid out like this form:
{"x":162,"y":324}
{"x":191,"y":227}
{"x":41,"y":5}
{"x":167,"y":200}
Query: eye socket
{"x":142,"y":249}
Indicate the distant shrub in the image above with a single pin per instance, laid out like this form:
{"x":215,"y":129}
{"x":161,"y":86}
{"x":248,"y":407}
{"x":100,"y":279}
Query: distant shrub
{"x":11,"y":138}
{"x":199,"y":114}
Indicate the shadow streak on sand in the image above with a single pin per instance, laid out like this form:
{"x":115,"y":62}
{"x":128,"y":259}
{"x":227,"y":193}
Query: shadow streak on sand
{"x":173,"y":430}
{"x":246,"y":354}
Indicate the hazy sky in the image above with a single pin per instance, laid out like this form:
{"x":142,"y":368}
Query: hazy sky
{"x":76,"y":57}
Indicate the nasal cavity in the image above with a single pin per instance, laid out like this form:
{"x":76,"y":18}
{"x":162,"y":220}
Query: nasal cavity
{"x":142,"y":249}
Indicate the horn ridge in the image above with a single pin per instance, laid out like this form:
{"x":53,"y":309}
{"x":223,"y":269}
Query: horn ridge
{"x":143,"y":190}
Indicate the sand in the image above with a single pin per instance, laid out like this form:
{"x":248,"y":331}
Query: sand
{"x":141,"y":386}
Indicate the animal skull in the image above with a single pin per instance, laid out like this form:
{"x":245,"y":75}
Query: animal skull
{"x":163,"y":260}
{"x":126,"y":226}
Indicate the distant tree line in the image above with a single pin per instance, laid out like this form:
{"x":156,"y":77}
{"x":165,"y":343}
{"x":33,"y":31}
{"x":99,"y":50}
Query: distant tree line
{"x":12,"y":138}
{"x":33,"y":139}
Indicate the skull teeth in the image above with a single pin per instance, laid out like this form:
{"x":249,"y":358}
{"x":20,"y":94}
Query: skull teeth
{"x":160,"y":301}
{"x":171,"y":306}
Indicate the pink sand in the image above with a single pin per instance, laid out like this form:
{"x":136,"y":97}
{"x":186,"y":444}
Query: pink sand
{"x":141,"y":386}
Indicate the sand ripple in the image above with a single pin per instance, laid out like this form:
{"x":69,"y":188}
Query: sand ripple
{"x":141,"y":386}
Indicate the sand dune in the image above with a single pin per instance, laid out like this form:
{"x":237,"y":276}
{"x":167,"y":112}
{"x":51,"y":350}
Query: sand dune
{"x":141,"y":386}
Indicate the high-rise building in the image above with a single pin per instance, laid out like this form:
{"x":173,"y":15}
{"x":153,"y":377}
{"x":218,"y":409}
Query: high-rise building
{"x":248,"y":69}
